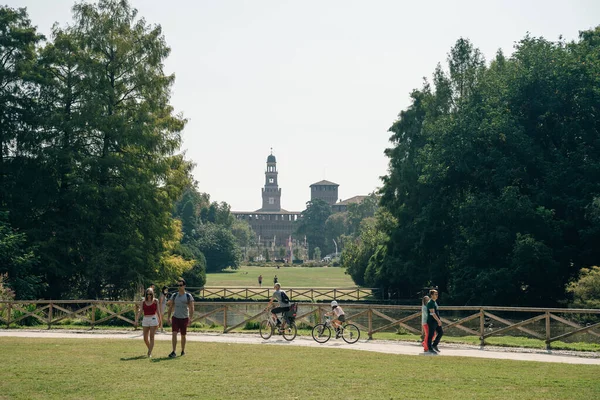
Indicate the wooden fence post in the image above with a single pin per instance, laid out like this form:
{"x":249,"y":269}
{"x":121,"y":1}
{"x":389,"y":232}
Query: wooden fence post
{"x":93,"y":315}
{"x":225,"y":318}
{"x":50,"y":315}
{"x":370,"y":322}
{"x":548,"y":330}
{"x":481,"y":327}
{"x":9,"y":315}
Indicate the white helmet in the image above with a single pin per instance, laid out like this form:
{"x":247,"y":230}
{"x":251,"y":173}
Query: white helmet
{"x":334,"y":303}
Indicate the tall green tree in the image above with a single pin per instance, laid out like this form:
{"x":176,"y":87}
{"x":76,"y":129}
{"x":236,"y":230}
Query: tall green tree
{"x":312,"y":225}
{"x":17,"y":262}
{"x":18,"y":89}
{"x":490,"y":175}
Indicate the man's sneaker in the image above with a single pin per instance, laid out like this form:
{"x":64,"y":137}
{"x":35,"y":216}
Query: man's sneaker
{"x":172,"y":355}
{"x":432,"y":352}
{"x":183,"y":353}
{"x":436,"y":349}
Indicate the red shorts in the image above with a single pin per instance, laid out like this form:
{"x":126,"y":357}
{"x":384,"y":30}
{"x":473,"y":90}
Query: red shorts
{"x":179,"y":325}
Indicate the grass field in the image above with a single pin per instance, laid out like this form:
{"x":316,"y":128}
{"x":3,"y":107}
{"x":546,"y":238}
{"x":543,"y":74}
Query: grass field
{"x":332,"y":277}
{"x":116,"y":369}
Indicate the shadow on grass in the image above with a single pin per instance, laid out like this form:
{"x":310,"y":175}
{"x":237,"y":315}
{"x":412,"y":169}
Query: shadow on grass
{"x":133,"y":358}
{"x":159,"y":359}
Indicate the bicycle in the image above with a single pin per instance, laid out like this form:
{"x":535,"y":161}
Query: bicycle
{"x":321,"y":333}
{"x":287,"y":329}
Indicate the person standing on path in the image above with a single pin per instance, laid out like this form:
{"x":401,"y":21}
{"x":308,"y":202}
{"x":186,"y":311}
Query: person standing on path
{"x":424,"y":315}
{"x":260,"y":280}
{"x":434,"y":322}
{"x":162,"y":303}
{"x":151,"y":318}
{"x":182,"y":303}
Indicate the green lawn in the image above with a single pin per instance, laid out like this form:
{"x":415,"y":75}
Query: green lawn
{"x":116,"y":369}
{"x":331,"y":277}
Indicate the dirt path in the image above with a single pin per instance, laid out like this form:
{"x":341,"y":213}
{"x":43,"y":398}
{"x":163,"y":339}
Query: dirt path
{"x":380,"y":346}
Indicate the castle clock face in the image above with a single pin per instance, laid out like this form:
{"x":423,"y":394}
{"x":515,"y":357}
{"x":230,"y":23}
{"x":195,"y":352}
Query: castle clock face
{"x":271,"y":200}
{"x":271,"y":180}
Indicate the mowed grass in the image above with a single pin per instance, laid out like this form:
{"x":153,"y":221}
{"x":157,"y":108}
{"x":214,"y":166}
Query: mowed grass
{"x":331,"y":277}
{"x":116,"y":369}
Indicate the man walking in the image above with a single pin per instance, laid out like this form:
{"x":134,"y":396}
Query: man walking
{"x":183,"y":304}
{"x":434,"y":322}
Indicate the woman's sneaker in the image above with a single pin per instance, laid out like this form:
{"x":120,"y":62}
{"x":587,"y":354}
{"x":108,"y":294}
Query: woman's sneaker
{"x":172,"y":355}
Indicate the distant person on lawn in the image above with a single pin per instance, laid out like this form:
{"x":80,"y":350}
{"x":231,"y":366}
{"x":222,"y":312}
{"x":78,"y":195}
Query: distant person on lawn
{"x":260,"y":280}
{"x":183,"y":304}
{"x":275,"y":280}
{"x":434,"y":322}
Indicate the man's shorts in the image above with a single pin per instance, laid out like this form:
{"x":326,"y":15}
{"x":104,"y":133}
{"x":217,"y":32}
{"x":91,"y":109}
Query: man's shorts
{"x":179,"y":325}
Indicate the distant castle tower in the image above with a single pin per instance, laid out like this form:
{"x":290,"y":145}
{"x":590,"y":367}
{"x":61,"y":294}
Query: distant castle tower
{"x":324,"y":190}
{"x":271,"y":193}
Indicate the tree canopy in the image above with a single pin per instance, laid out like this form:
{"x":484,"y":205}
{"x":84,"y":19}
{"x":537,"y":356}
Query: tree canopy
{"x":89,"y":164}
{"x":494,"y":175}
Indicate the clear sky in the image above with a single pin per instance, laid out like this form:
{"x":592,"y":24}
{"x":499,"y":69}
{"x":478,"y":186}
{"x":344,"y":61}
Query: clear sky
{"x":319,"y":81}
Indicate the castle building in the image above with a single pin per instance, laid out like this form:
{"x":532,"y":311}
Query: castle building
{"x":324,"y":190}
{"x":272,"y":224}
{"x":342,"y":205}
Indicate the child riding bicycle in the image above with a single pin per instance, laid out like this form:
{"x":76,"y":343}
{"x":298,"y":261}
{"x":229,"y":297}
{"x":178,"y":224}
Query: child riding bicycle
{"x":339,"y":317}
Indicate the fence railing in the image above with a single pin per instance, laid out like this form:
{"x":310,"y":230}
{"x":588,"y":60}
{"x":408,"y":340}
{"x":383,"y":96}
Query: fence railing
{"x":547,"y":324}
{"x":294,"y":293}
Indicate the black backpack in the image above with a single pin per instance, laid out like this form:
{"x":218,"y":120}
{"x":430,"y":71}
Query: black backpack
{"x":284,"y":298}
{"x":189,"y":297}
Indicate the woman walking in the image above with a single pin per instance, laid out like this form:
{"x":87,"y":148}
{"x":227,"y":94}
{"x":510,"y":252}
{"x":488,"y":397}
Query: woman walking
{"x":151,"y":318}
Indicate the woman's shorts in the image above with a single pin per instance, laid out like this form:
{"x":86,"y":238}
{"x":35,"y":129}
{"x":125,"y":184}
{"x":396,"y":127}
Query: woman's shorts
{"x":150,"y":320}
{"x":342,"y":318}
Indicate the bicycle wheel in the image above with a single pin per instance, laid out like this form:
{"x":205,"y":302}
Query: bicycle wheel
{"x":290,"y":331}
{"x":351,"y":333}
{"x":265,"y":329}
{"x":321,"y":333}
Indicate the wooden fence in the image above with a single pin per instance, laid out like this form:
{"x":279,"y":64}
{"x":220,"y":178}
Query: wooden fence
{"x":295,"y":294}
{"x":547,"y":324}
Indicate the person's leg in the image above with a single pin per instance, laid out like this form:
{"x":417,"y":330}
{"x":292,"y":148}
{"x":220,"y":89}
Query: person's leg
{"x":430,"y":335}
{"x":146,"y":340}
{"x":151,"y":346}
{"x":274,"y":312}
{"x":184,"y":325}
{"x":425,"y":337}
{"x":439,"y":333}
{"x":174,"y":329}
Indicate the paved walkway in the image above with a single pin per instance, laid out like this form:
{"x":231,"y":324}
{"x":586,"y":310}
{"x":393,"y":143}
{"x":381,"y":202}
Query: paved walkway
{"x":380,"y":346}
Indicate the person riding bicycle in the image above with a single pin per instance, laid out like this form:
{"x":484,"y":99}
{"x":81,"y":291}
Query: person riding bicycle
{"x":339,"y":317}
{"x":283,"y":302}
